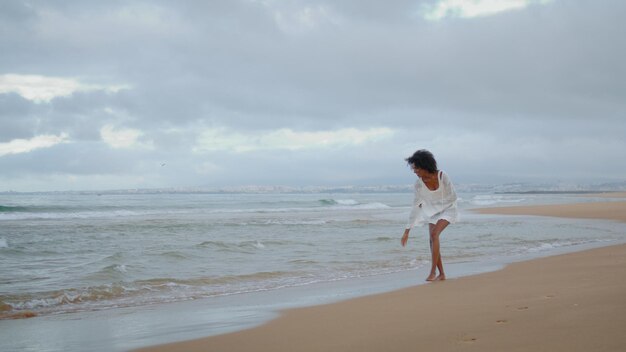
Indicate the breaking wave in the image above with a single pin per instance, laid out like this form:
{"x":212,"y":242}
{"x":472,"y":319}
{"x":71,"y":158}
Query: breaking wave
{"x":141,"y":292}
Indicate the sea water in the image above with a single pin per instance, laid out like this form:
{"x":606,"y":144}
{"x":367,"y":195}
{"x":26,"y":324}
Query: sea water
{"x":67,"y":254}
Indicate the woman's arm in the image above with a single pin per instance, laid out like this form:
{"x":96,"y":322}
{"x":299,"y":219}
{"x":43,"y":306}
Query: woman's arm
{"x":414,"y":216}
{"x":405,"y":237}
{"x":416,"y":209}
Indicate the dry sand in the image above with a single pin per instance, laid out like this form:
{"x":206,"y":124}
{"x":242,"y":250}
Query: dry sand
{"x":571,"y":302}
{"x":601,"y":210}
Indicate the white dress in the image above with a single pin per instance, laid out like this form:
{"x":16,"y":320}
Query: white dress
{"x":432,"y":206}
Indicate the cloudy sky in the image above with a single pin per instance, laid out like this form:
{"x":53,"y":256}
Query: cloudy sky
{"x":126,"y":94}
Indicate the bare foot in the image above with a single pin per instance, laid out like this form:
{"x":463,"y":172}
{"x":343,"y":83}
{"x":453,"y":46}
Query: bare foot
{"x":440,"y":277}
{"x":431,"y":277}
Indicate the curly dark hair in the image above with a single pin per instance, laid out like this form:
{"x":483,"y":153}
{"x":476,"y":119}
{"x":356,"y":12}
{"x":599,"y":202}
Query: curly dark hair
{"x":423,"y":159}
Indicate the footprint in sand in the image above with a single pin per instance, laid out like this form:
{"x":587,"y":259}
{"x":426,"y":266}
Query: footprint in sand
{"x":467,"y":339}
{"x":522,"y":308}
{"x":502,"y":321}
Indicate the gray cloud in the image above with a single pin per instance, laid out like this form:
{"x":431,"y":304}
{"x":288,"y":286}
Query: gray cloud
{"x":16,"y":117}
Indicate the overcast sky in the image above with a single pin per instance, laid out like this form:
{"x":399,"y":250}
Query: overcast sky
{"x":127,"y":94}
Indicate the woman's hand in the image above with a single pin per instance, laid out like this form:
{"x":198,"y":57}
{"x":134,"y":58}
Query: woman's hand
{"x":405,"y":237}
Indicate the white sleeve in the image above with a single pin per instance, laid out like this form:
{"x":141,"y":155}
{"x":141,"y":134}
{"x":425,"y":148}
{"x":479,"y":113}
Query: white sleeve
{"x":416,"y":209}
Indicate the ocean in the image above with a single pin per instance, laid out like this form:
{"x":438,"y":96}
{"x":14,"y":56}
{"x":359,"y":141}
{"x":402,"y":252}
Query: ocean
{"x":67,"y":258}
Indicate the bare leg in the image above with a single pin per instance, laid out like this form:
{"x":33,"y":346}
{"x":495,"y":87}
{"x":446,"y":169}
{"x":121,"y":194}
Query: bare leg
{"x":437,"y":263}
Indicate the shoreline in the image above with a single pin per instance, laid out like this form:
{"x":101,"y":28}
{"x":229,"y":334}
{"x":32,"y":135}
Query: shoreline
{"x":563,"y":302}
{"x":571,"y":302}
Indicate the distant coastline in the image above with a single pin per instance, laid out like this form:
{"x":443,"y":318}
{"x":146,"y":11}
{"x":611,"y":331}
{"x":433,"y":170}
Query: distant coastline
{"x":234,"y":190}
{"x":514,"y":188}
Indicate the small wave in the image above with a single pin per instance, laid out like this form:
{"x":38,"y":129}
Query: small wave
{"x":3,"y":243}
{"x":384,"y":239}
{"x":291,"y":222}
{"x":120,"y":268}
{"x":175,"y":255}
{"x":209,"y":281}
{"x":306,"y":262}
{"x":372,"y":206}
{"x":72,"y":212}
{"x":547,"y":246}
{"x":321,"y":206}
{"x":352,"y":204}
{"x":33,"y":210}
{"x":417,"y":262}
{"x":272,"y":222}
{"x":137,"y":293}
{"x":10,"y":209}
{"x":71,"y":215}
{"x":113,"y":270}
{"x":109,"y":269}
{"x":338,"y":202}
{"x":218,"y":244}
{"x":490,"y":199}
{"x":244,"y":246}
{"x":65,"y":297}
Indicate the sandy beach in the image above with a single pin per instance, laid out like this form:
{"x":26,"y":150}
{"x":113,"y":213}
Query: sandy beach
{"x":613,"y":210}
{"x":571,"y":302}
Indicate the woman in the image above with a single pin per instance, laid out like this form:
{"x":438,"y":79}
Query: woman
{"x":435,"y":203}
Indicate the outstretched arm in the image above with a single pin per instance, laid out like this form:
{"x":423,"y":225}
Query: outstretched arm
{"x":415,"y":216}
{"x":405,"y":237}
{"x":416,"y":209}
